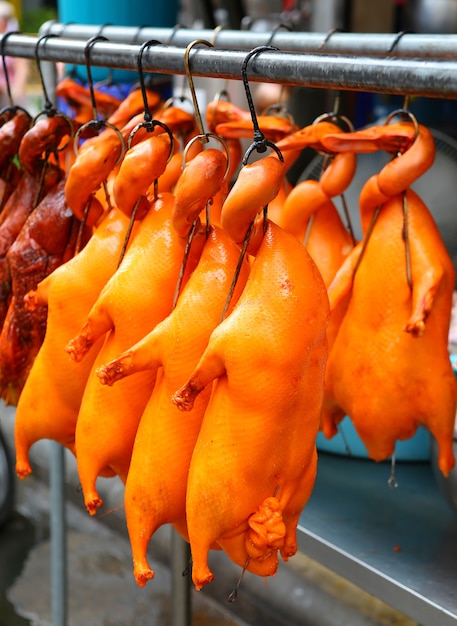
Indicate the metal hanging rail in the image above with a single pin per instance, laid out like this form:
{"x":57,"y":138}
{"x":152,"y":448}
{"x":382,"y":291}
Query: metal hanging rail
{"x":392,"y":75}
{"x":423,"y":46}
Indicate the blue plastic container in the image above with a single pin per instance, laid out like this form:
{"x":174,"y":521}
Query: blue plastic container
{"x":160,"y":14}
{"x":347,"y":443}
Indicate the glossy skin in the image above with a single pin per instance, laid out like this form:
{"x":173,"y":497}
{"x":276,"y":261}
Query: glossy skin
{"x":133,"y":105}
{"x":222,"y":111}
{"x":310,"y":136}
{"x":17,"y":209}
{"x":50,"y":401}
{"x":100,"y":157}
{"x":144,"y":162}
{"x":274,"y":128}
{"x":266,"y":363}
{"x":219,"y":112}
{"x":11,"y":134}
{"x":389,"y":366}
{"x":393,"y":138}
{"x":41,"y":142}
{"x":201,"y":179}
{"x":257,"y":184}
{"x":310,"y":215}
{"x":78,"y":98}
{"x":46,"y":240}
{"x":137,"y":297}
{"x":95,"y":161}
{"x":155,"y":491}
{"x":291,"y":147}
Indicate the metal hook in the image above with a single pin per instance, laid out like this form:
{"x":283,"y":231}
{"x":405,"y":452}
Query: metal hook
{"x":404,"y":113}
{"x":96,"y":123}
{"x":5,"y":69}
{"x":336,"y":118}
{"x":270,"y":41}
{"x":63,"y":26}
{"x":109,"y":77}
{"x":236,"y":274}
{"x":405,"y":209}
{"x":275,"y":30}
{"x":331,"y":32}
{"x":394,"y":44}
{"x":191,"y":83}
{"x":190,"y":238}
{"x":259,"y":138}
{"x":216,"y":31}
{"x":48,"y":106}
{"x":265,"y":143}
{"x":146,"y":44}
{"x":150,"y":126}
{"x":260,"y":143}
{"x":218,"y":138}
{"x":136,"y":37}
{"x":234,"y":594}
{"x":90,"y":82}
{"x":174,"y":30}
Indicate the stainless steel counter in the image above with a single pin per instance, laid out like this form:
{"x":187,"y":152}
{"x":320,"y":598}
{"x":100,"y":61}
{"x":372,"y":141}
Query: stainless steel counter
{"x":398,"y":544}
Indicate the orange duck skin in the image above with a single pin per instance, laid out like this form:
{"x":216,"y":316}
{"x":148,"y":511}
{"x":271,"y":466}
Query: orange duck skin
{"x":309,"y":213}
{"x":155,"y":491}
{"x":254,"y":462}
{"x":49,"y":403}
{"x":138,"y":296}
{"x":389,"y":368}
{"x":387,"y":380}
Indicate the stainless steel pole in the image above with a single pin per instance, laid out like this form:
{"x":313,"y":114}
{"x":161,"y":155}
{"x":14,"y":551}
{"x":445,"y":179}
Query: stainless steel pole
{"x":415,"y":45}
{"x":59,"y":575}
{"x":58,"y":536}
{"x":181,"y":582}
{"x":401,"y":76}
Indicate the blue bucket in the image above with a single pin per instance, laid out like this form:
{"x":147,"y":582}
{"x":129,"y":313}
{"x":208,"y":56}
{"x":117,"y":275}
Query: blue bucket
{"x":348,"y":443}
{"x":117,"y":13}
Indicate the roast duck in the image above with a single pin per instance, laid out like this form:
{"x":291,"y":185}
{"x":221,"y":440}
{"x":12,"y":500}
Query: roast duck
{"x":47,"y":239}
{"x":38,"y":232}
{"x":138,"y":296}
{"x":265,"y":400}
{"x":49,"y":403}
{"x":388,"y":366}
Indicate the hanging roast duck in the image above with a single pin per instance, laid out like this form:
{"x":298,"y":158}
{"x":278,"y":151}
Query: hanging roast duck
{"x":155,"y":491}
{"x":389,"y":367}
{"x":254,"y":462}
{"x":134,"y":301}
{"x":50,"y":401}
